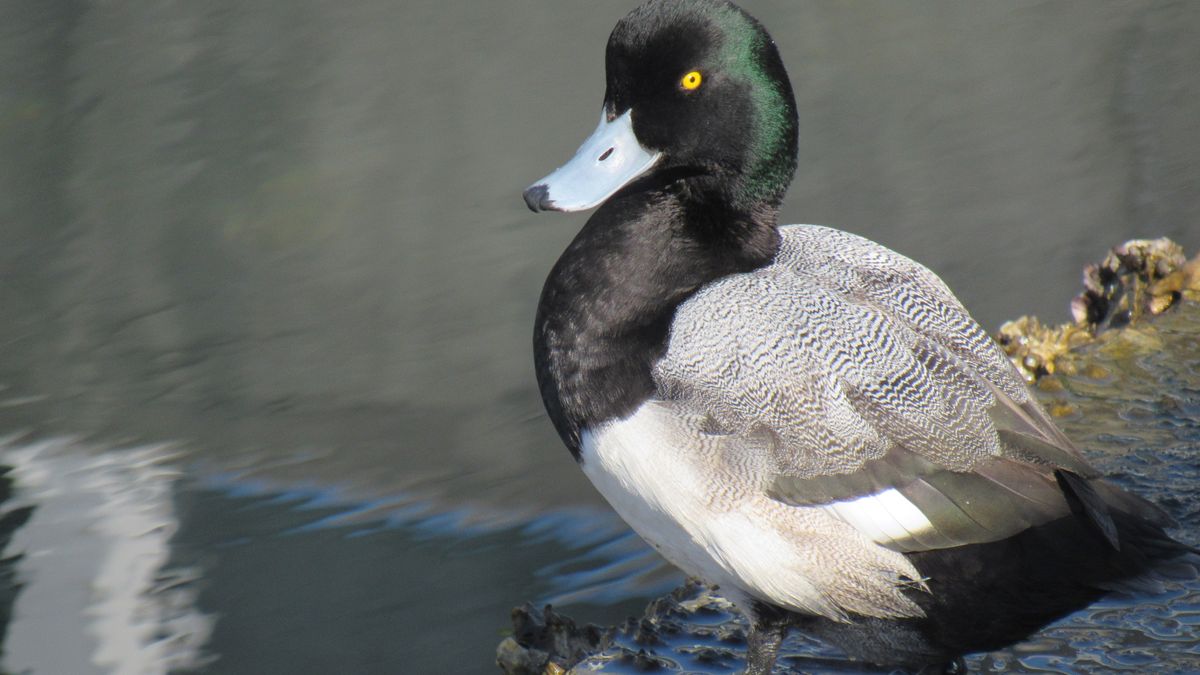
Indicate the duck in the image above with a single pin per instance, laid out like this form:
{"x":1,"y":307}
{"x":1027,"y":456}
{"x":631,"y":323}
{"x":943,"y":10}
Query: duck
{"x":806,"y":420}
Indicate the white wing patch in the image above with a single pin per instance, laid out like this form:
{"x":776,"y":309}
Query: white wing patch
{"x":886,"y":518}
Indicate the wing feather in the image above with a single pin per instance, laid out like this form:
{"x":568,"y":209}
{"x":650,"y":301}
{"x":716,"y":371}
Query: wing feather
{"x":873,"y":382}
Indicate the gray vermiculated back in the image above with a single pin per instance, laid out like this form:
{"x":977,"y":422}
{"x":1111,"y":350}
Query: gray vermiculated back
{"x":843,"y":350}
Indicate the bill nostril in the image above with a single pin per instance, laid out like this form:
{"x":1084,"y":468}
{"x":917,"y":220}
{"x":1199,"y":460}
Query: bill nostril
{"x":605,"y":155}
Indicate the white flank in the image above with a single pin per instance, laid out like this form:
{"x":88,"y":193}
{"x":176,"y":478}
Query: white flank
{"x":653,"y":486}
{"x":672,"y":492}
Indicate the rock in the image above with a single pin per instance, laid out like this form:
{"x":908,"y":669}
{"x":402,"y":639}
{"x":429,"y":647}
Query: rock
{"x":1136,"y":280}
{"x":547,"y":643}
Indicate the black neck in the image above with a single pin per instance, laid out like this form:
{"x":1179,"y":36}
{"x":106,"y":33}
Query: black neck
{"x":606,"y":309}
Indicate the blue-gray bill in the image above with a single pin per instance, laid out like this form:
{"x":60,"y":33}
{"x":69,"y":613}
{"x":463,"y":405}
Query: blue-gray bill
{"x":607,"y":161}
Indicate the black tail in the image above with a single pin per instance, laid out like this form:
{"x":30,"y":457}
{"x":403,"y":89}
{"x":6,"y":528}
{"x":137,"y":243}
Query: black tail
{"x":986,"y":596}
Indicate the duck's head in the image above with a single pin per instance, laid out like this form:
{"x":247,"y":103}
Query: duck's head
{"x":697,"y":102}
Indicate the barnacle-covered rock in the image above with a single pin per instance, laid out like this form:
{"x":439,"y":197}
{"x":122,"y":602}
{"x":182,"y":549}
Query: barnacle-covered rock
{"x":1139,"y":277}
{"x":1038,"y":349}
{"x":545,"y":642}
{"x":1136,"y":280}
{"x":692,"y":629}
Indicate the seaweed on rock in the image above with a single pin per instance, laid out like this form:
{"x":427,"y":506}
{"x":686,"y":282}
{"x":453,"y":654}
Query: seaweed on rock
{"x":1139,"y":279}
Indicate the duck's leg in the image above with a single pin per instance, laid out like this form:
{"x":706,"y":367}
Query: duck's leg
{"x":768,"y":628}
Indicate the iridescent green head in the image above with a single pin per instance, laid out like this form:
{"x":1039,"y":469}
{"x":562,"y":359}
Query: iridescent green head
{"x":697,"y":97}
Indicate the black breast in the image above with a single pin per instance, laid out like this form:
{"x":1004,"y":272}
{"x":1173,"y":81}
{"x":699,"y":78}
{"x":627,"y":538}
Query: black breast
{"x":605,"y":312}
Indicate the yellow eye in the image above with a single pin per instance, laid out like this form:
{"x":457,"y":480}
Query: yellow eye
{"x":691,"y":80}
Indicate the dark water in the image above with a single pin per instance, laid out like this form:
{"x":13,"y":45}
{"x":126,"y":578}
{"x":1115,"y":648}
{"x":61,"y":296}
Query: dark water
{"x":266,"y":288}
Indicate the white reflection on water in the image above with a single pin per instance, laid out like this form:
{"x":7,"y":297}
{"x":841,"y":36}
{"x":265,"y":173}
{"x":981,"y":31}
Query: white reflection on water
{"x":97,"y":595}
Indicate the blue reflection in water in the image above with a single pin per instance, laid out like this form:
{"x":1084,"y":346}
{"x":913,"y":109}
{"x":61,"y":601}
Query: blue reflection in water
{"x":425,"y":571}
{"x":603,"y":562}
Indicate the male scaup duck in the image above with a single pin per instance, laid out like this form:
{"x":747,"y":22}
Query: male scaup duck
{"x":804,"y":418}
